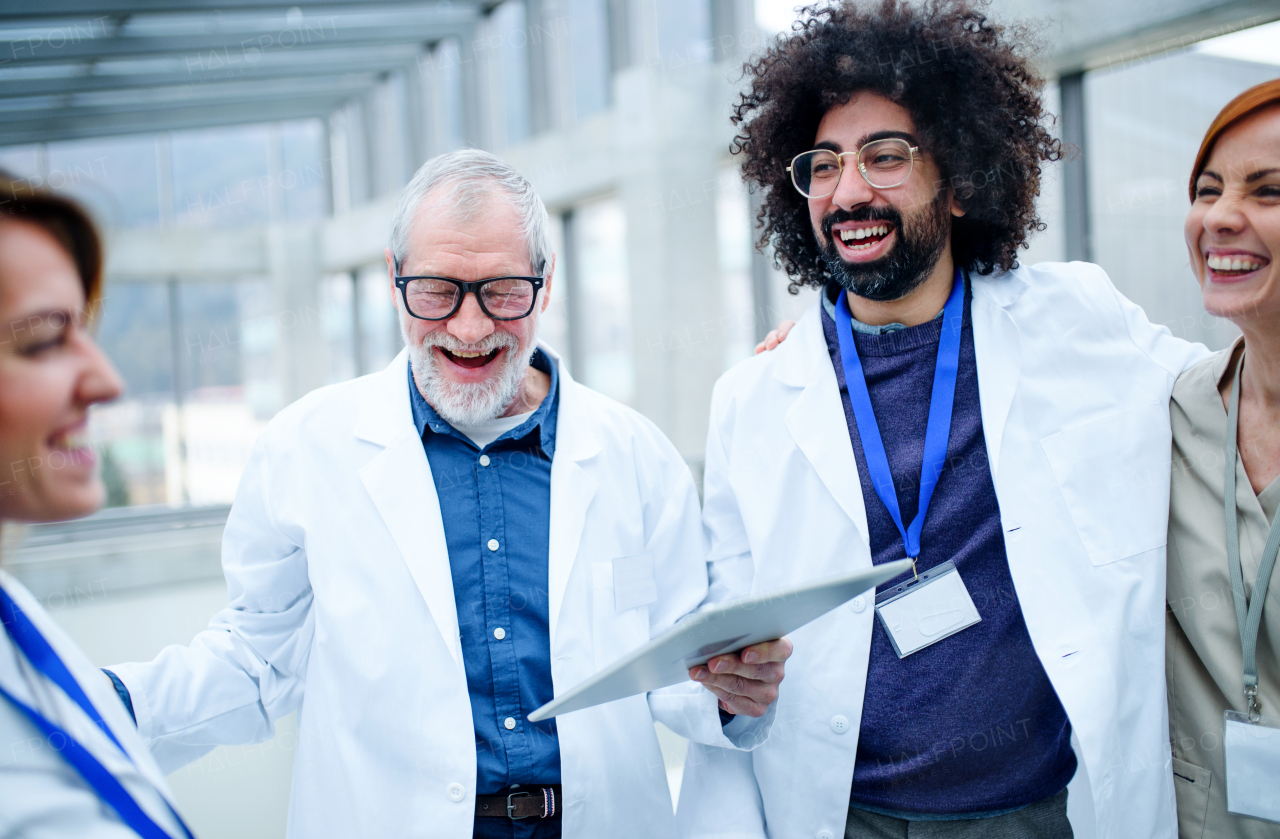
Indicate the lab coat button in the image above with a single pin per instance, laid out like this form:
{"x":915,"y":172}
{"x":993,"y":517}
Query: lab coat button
{"x":858,"y":603}
{"x":839,"y":724}
{"x":493,"y":544}
{"x":509,"y":723}
{"x":824,"y":834}
{"x":499,"y":633}
{"x":455,"y":792}
{"x":484,"y":460}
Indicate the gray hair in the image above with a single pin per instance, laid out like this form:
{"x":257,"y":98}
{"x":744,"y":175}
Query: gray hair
{"x":471,"y":177}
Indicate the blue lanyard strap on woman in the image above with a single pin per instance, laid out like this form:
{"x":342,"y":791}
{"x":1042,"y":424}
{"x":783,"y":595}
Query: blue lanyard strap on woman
{"x":937,"y":432}
{"x":1248,"y":617}
{"x":43,"y":657}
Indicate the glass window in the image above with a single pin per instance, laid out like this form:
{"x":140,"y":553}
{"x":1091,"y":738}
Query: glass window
{"x":448,"y":67}
{"x":209,"y":435}
{"x":553,"y":329}
{"x":337,"y":298}
{"x":132,"y":329}
{"x":604,"y":292}
{"x":221,"y":176}
{"x":684,"y":31}
{"x":733,"y":248}
{"x":1145,"y":122}
{"x":380,"y":326}
{"x":304,"y":172}
{"x":115,"y":177}
{"x":509,"y":36}
{"x":21,"y":161}
{"x":588,"y":26}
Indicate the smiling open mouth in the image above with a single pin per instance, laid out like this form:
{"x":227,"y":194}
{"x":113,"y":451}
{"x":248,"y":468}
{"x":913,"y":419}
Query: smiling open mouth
{"x":1233,"y":266}
{"x":470,"y":360}
{"x":864,"y":238}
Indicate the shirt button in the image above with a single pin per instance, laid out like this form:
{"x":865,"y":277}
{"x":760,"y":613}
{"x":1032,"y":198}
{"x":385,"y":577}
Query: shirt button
{"x":499,"y":633}
{"x":509,"y":723}
{"x":484,"y":460}
{"x":858,"y":603}
{"x":824,"y":834}
{"x":455,"y":792}
{"x":839,"y":724}
{"x":493,"y":544}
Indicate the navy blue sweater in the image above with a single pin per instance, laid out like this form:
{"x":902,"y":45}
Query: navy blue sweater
{"x":970,"y":725}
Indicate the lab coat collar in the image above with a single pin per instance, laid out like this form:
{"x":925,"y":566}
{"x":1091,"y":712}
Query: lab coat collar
{"x":573,"y":484}
{"x":399,"y":481}
{"x":998,"y":353}
{"x":816,"y":420}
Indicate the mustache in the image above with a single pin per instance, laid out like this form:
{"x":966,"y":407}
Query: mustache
{"x":866,"y":213}
{"x":489,"y":343}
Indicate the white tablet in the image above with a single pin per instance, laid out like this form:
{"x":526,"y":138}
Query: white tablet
{"x":722,"y":628}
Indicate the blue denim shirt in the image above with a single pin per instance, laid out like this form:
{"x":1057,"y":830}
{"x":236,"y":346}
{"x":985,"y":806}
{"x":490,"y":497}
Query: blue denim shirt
{"x":497,"y":523}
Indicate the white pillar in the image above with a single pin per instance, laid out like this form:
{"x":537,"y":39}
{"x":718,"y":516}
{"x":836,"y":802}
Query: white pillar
{"x":668,"y":161}
{"x":300,"y":347}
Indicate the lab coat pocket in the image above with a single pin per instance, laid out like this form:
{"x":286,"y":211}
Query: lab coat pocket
{"x":1114,"y":476}
{"x":1191,"y":784}
{"x":623,"y":587}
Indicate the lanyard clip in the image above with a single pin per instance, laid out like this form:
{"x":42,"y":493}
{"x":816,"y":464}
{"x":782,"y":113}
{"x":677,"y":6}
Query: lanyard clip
{"x":1251,"y":703}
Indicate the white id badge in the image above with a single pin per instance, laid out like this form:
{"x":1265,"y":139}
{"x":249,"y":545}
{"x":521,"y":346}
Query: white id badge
{"x":921,"y":612}
{"x":1253,"y":766}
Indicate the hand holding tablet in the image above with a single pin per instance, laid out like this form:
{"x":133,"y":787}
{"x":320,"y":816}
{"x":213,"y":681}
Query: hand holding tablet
{"x":719,"y":630}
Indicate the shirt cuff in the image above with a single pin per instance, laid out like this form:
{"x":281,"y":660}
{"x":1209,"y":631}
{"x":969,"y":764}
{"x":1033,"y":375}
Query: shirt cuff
{"x":725,"y":717}
{"x":127,"y":700}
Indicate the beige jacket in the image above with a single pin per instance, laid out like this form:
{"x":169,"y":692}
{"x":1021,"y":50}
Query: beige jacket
{"x":1205,"y":664}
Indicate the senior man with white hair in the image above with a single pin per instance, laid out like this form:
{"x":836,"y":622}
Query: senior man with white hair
{"x":419,"y":558}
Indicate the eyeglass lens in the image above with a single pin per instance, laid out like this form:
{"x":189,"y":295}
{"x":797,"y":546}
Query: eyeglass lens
{"x":884,"y":164}
{"x":506,"y":298}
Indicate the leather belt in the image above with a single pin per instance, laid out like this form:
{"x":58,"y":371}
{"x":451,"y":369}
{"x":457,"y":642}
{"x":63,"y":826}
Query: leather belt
{"x":521,"y":802}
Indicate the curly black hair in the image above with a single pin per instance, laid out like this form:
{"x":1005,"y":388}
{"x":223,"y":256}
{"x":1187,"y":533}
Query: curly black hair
{"x":969,"y":86}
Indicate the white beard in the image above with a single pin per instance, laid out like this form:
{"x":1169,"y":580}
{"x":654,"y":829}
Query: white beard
{"x":468,"y":404}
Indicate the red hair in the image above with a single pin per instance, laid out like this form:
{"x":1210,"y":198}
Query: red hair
{"x":1254,"y":99}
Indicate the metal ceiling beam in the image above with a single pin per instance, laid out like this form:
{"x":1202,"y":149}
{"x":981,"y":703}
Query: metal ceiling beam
{"x":336,"y":90}
{"x":47,"y":9}
{"x":115,"y":122}
{"x":244,"y":47}
{"x":352,"y":62}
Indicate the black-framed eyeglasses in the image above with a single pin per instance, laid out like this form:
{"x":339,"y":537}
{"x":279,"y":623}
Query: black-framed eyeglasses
{"x":439,"y":298}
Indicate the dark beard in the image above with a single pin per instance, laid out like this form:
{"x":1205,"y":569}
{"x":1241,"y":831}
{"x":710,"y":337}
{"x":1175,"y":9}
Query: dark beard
{"x":903,"y":269}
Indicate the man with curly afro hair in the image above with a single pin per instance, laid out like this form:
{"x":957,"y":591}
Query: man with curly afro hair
{"x":1003,"y":426}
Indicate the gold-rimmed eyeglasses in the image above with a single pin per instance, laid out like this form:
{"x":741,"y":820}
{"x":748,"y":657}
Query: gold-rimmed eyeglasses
{"x":882,"y":163}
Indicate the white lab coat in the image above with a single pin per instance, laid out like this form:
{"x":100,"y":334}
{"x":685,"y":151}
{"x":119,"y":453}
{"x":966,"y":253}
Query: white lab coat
{"x":1074,"y":383}
{"x":41,"y":794}
{"x":341,"y":593}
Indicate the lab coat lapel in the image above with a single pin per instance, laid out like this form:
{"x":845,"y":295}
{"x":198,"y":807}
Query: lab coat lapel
{"x":998,"y":354}
{"x":399,"y":481}
{"x":816,"y":420}
{"x":573,"y":487}
{"x":136,"y":760}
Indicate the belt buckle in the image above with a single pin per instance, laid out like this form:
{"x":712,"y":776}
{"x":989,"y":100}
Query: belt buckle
{"x":511,"y":808}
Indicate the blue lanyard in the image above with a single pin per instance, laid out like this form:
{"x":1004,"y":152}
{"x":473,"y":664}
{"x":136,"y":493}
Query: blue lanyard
{"x":43,"y":657}
{"x":937,"y":432}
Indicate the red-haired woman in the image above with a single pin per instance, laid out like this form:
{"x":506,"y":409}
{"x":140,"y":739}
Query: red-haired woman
{"x":1223,"y":618}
